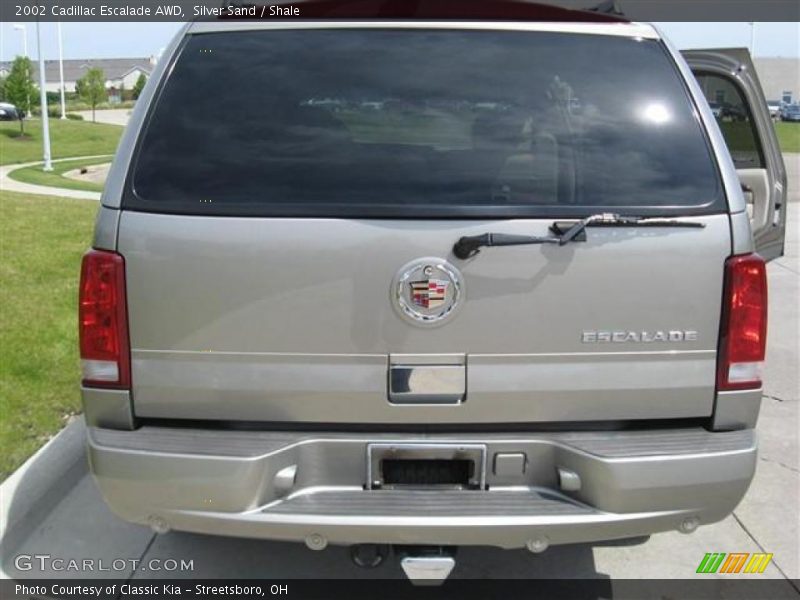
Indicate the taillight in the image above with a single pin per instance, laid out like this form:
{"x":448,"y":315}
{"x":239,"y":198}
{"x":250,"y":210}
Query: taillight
{"x":743,"y":332}
{"x":103,"y":321}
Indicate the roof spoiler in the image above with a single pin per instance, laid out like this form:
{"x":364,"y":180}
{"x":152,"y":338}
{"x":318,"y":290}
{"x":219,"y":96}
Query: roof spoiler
{"x":476,"y":10}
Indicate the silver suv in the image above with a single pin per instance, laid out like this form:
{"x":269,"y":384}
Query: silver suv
{"x":432,"y":283}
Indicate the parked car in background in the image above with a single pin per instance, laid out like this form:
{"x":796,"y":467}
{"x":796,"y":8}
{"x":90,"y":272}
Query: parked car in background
{"x":791,"y":112}
{"x":494,"y":323}
{"x":733,"y":112}
{"x":8,"y":112}
{"x":774,"y":107}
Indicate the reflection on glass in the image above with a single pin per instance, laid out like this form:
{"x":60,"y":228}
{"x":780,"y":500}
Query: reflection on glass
{"x":656,"y":113}
{"x":355,"y":122}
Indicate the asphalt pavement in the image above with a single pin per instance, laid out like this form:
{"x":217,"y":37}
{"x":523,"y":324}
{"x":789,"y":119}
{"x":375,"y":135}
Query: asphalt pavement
{"x":110,"y":116}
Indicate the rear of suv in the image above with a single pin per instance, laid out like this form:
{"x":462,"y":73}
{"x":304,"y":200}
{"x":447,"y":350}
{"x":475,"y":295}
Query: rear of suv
{"x":433,"y":283}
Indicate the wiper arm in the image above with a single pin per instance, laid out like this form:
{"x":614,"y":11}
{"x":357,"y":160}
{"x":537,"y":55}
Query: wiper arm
{"x":469,"y":246}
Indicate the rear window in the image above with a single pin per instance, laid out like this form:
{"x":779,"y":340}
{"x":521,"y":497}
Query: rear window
{"x":421,"y":123}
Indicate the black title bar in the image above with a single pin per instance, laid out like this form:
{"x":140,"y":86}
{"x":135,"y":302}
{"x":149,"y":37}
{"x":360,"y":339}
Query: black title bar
{"x":372,"y":589}
{"x":482,"y":10}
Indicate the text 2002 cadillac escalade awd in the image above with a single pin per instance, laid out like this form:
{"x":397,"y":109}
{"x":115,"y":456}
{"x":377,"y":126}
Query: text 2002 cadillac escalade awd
{"x":431,"y":283}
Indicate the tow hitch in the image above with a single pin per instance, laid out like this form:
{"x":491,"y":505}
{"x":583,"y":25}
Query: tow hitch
{"x":369,"y":556}
{"x":428,"y":569}
{"x":423,"y":565}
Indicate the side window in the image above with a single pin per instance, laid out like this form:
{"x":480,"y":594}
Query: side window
{"x":734,"y":118}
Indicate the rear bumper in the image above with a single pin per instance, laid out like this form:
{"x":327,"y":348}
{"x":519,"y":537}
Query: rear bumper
{"x":241,"y":483}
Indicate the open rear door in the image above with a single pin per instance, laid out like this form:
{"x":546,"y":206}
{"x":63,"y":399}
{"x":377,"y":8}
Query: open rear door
{"x":730,"y":83}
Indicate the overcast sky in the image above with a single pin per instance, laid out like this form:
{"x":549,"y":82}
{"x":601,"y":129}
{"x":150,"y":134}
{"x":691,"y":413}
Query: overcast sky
{"x":114,"y":40}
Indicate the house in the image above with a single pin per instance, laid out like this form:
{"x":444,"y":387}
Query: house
{"x":780,"y":78}
{"x":120,"y":73}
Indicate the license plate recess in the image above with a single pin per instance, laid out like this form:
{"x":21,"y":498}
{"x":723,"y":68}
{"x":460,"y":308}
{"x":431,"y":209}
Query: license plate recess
{"x":421,"y":465}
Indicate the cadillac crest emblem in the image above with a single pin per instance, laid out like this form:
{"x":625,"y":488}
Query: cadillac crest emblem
{"x":427,"y":291}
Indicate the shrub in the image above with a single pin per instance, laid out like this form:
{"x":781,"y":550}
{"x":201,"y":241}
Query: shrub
{"x":54,"y":112}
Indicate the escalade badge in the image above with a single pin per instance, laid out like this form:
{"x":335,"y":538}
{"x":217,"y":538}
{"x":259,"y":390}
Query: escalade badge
{"x":427,"y":291}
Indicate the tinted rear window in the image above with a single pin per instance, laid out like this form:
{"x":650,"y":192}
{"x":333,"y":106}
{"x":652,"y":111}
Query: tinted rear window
{"x":415,"y":123}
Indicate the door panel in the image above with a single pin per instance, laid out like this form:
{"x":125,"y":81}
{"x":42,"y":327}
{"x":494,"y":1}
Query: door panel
{"x":730,"y":84}
{"x":755,"y":185}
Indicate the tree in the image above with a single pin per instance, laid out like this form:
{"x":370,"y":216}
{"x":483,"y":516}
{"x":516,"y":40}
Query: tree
{"x":139,"y":85}
{"x":19,"y":88}
{"x":92,"y":88}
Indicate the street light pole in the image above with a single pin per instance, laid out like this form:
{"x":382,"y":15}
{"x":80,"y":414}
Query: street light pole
{"x":24,"y":31}
{"x":61,"y":71}
{"x":752,"y":38}
{"x":43,"y":98}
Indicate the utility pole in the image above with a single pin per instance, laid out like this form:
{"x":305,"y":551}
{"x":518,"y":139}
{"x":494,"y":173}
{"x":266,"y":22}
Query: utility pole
{"x":24,"y":31}
{"x":43,"y":98}
{"x":61,"y":71}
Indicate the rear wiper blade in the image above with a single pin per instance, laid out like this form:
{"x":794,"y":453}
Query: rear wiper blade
{"x":469,"y":246}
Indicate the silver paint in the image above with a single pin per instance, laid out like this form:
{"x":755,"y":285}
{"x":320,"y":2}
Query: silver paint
{"x":632,"y":483}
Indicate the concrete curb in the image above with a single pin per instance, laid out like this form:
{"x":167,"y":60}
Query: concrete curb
{"x":31,"y":492}
{"x":12,"y":185}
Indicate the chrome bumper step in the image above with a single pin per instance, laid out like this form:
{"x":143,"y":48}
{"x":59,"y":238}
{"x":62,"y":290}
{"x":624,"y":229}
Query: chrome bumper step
{"x":429,"y":503}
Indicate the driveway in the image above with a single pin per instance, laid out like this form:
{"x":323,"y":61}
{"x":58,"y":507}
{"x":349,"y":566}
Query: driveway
{"x":114,"y":116}
{"x":81,"y":526}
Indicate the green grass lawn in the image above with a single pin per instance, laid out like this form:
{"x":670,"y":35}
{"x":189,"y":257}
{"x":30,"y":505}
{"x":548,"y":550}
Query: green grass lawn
{"x":55,"y":177}
{"x":788,"y":136}
{"x":67,"y":139}
{"x":41,"y":243}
